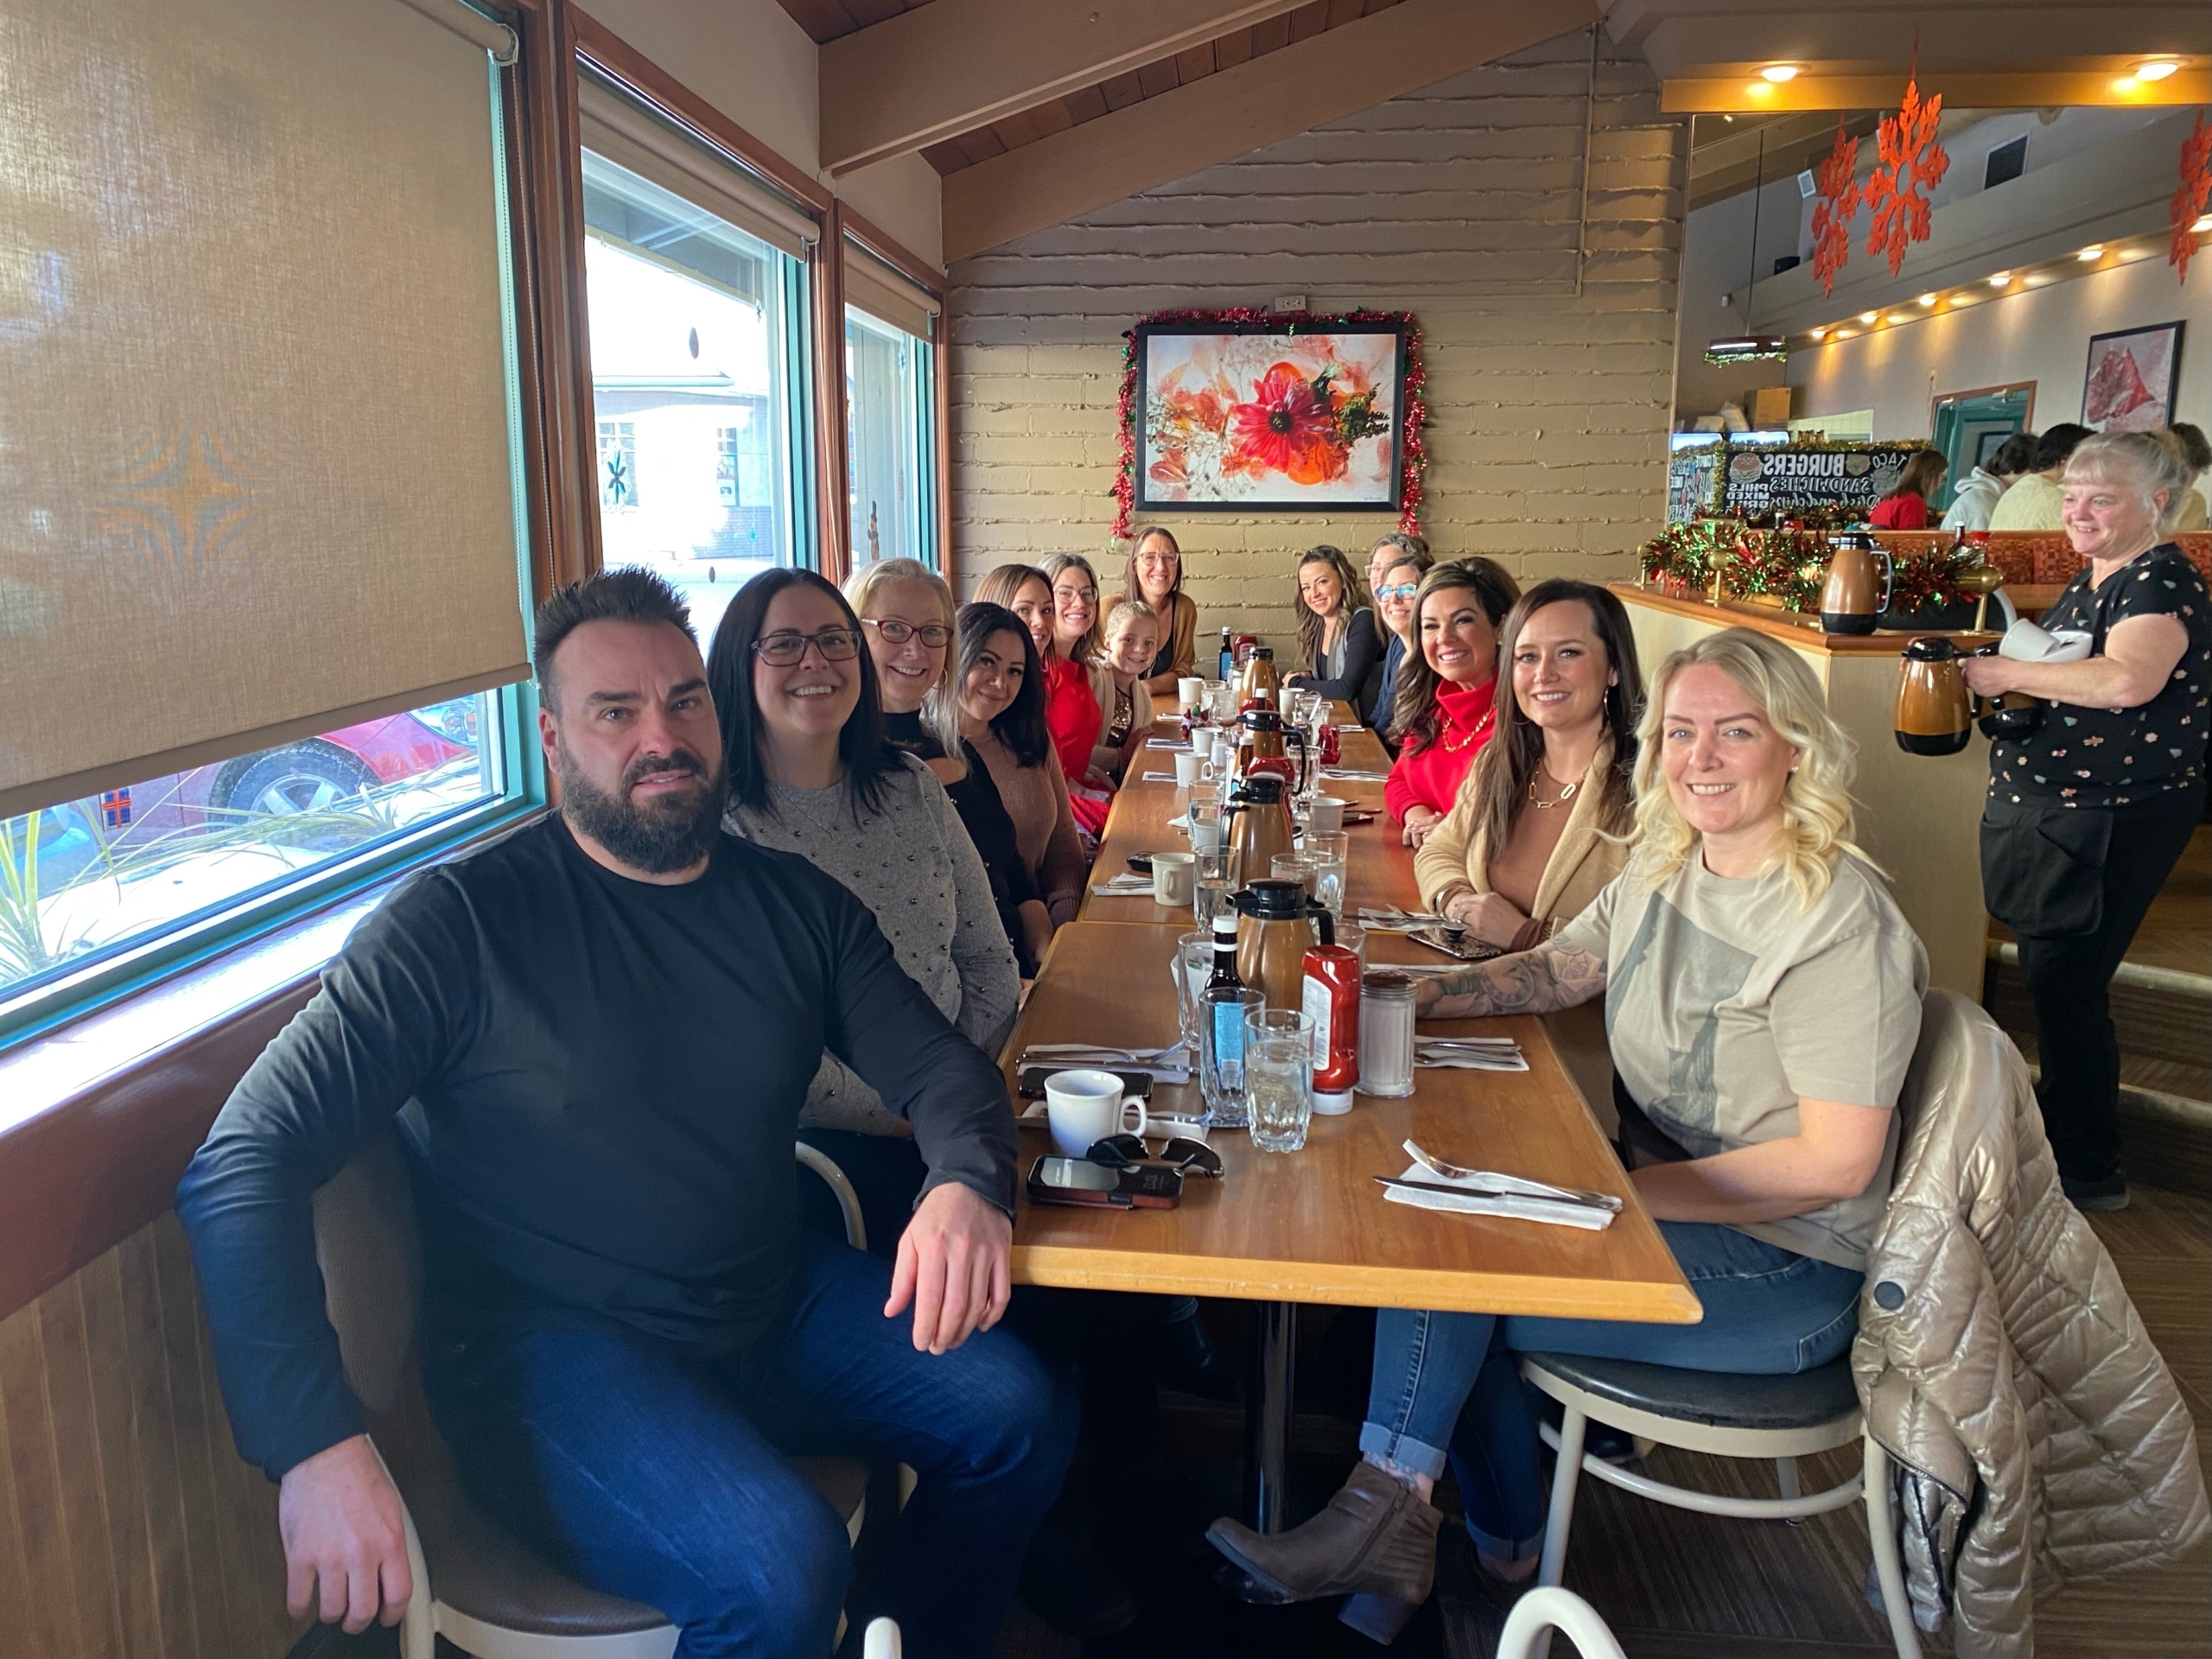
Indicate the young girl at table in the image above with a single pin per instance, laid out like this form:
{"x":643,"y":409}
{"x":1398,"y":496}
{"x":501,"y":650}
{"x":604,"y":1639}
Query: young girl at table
{"x":1336,"y":634}
{"x":1118,"y":683}
{"x":1444,"y":712}
{"x":1747,"y":929}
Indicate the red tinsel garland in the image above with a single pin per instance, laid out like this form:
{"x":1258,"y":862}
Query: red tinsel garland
{"x":2188,"y":202}
{"x":1413,"y":457}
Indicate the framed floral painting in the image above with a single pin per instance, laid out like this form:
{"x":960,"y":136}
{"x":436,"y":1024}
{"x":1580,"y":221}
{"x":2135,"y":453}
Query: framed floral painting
{"x":1275,"y":415}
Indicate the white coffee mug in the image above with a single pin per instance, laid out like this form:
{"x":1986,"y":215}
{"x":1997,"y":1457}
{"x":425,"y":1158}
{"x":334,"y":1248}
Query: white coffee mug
{"x":1192,"y":768}
{"x":1086,"y":1107}
{"x":1172,"y":876}
{"x":1190,"y":693}
{"x":1327,"y":815}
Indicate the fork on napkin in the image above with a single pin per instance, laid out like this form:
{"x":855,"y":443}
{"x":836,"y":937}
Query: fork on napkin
{"x":1123,"y":886}
{"x":1431,"y":1184}
{"x":1469,"y":1053}
{"x":1347,"y":775}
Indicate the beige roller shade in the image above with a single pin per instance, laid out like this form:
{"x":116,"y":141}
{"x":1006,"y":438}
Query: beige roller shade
{"x":257,"y":471}
{"x":617,"y":129}
{"x":887,"y":295}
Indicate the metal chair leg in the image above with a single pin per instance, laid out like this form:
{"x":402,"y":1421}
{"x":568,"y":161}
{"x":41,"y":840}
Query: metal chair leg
{"x":1552,"y":1567}
{"x":1889,"y":1568}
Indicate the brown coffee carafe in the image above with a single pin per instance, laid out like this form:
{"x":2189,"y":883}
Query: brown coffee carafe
{"x":1260,"y":829}
{"x":1934,"y":712}
{"x":1260,"y":684}
{"x":1857,"y":590}
{"x":1276,"y":926}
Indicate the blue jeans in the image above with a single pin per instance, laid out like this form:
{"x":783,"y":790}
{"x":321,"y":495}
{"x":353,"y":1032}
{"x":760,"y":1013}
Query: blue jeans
{"x":652,"y":1474}
{"x":1446,"y":1386}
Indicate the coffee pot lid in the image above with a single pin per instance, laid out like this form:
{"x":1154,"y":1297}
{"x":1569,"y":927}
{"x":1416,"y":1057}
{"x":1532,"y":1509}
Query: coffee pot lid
{"x":1262,"y":788}
{"x":1933,"y":648}
{"x":1273,"y":900}
{"x":1261,"y":719}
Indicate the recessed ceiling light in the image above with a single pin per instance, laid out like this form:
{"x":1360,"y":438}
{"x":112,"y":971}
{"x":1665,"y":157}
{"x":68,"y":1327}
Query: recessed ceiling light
{"x":1869,"y":316}
{"x":1820,"y":334}
{"x":1998,"y":279}
{"x":2095,"y":250}
{"x":1778,"y":72}
{"x":2149,"y":69}
{"x":1964,"y":299}
{"x":1900,"y":318}
{"x":1928,"y":299}
{"x":2201,"y":226}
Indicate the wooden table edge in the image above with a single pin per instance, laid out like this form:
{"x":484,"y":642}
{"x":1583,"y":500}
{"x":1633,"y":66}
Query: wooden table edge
{"x":1641,"y":1303}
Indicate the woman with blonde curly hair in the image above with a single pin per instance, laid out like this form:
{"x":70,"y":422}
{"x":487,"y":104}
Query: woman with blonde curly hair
{"x":1761,"y":998}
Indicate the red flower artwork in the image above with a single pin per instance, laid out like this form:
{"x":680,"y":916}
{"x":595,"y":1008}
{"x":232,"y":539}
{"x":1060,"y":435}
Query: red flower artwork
{"x":1912,"y":162}
{"x":2188,"y":200}
{"x":1838,"y":178}
{"x":1289,"y":427}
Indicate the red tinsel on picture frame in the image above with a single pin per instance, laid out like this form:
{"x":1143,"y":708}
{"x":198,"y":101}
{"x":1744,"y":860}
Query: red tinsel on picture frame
{"x":1412,"y":456}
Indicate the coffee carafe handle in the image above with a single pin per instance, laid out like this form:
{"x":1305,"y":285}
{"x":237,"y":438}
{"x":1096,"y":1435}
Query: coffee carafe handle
{"x":1317,"y":912}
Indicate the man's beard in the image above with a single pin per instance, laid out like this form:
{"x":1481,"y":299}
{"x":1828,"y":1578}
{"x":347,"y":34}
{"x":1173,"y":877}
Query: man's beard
{"x":671,"y":833}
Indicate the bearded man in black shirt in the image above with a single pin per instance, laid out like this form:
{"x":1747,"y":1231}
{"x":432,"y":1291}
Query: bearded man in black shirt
{"x":594,"y":1036}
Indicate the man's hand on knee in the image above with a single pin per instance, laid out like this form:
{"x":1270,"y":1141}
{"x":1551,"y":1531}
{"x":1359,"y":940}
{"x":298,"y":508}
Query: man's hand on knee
{"x":953,"y":1267}
{"x":344,"y":1543}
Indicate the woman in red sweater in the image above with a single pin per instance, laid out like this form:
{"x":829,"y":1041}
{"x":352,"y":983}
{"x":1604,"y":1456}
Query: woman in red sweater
{"x":1906,"y":506}
{"x":1443,"y":708}
{"x":1070,"y":705}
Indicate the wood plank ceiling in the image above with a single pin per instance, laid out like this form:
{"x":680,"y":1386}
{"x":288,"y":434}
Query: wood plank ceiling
{"x":829,"y":19}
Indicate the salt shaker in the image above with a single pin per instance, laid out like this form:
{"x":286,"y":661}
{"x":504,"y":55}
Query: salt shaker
{"x":1386,"y":1035}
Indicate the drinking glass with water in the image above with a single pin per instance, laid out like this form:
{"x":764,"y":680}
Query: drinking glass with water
{"x":1192,"y":961}
{"x":1279,"y":1077}
{"x":1214,"y":890}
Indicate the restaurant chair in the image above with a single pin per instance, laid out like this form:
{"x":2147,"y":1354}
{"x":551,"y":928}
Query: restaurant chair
{"x":1548,"y":1608}
{"x":474,"y":1583}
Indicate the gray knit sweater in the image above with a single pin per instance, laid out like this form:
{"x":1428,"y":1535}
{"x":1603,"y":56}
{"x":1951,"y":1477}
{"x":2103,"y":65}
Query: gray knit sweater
{"x":911,"y":864}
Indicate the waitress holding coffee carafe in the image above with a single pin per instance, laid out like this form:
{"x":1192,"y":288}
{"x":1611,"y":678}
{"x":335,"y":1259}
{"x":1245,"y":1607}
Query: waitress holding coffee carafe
{"x":2087,"y":813}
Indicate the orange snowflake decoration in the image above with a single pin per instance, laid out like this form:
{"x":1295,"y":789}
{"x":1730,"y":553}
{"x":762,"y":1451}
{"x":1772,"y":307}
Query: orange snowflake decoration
{"x":1912,"y":162}
{"x":2188,"y":200}
{"x":1838,"y":178}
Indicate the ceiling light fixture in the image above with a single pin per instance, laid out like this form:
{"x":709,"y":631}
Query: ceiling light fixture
{"x":1747,"y":348}
{"x":2201,"y":226}
{"x":1843,"y":334}
{"x":1928,"y":299}
{"x":2151,"y":69}
{"x":1870,"y":316}
{"x":1778,"y":72}
{"x":2095,"y":250}
{"x":2000,"y":278}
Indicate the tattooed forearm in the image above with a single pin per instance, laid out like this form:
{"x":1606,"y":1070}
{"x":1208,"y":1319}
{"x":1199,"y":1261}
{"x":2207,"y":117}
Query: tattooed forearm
{"x":1528,"y":982}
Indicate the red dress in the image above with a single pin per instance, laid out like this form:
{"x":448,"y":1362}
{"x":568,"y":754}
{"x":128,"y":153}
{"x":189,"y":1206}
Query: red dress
{"x":1431,"y":777}
{"x":1904,"y":512}
{"x":1072,"y":716}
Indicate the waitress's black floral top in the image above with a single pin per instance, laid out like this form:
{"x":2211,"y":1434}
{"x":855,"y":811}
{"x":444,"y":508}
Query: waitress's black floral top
{"x":2111,"y":757}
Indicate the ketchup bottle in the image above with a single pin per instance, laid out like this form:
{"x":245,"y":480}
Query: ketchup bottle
{"x":1331,"y":1001}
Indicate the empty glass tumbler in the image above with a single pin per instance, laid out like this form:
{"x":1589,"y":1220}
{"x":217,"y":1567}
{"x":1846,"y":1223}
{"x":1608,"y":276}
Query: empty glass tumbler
{"x":1193,"y":966}
{"x":1279,"y":1077}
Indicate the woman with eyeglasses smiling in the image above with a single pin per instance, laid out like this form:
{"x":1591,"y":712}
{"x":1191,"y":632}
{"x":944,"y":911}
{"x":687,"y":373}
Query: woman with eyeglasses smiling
{"x":1394,"y":574}
{"x":811,"y":772}
{"x":1071,"y":709}
{"x":907,"y":612}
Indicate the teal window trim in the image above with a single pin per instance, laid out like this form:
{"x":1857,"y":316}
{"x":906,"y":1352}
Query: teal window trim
{"x":926,"y":439}
{"x":800,"y":358}
{"x":227,"y":925}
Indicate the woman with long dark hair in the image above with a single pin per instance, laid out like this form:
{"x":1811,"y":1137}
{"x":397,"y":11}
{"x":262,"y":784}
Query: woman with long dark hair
{"x":810,"y":773}
{"x":1336,"y":634}
{"x":1907,"y":507}
{"x":1001,"y":690}
{"x":1444,"y":712}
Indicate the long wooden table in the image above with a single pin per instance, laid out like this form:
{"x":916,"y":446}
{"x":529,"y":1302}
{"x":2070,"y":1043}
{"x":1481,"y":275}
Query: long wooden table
{"x":1313,"y":1226}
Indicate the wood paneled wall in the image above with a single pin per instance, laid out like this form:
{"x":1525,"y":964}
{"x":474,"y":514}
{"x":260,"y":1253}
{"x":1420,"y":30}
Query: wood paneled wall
{"x":1549,"y":409}
{"x":128,"y":1525}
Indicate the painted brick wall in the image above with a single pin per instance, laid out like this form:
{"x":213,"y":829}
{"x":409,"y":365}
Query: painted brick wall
{"x":1547,"y":410}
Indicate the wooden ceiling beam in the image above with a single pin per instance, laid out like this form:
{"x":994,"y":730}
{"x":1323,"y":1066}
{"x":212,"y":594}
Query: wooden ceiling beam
{"x":930,"y":74}
{"x":1265,"y":99}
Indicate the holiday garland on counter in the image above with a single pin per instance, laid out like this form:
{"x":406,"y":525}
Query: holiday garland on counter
{"x":1784,"y":565}
{"x":1413,"y":457}
{"x":1787,"y":567}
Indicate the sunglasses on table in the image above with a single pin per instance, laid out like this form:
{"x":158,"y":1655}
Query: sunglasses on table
{"x":1184,"y":1156}
{"x":935,"y":635}
{"x":785,"y":649}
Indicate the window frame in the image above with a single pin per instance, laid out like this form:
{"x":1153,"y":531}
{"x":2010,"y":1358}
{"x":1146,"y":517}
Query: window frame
{"x":520,"y":107}
{"x":920,"y":390}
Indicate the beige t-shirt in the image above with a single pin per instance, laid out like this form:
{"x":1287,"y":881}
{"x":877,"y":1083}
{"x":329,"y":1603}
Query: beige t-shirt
{"x":2032,"y":503}
{"x":1726,"y":1003}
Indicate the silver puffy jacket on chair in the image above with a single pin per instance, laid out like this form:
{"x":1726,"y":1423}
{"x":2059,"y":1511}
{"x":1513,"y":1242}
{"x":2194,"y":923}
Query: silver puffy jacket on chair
{"x":2039,"y":1435}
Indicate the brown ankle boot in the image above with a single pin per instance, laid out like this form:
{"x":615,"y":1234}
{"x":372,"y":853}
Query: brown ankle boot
{"x":1375,"y":1539}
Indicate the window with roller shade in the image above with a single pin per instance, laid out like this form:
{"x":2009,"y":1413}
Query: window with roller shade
{"x":696,"y":291}
{"x":261,"y":573}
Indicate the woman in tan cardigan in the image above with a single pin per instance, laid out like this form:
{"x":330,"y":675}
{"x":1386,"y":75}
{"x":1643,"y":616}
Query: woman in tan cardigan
{"x":1541,"y":823}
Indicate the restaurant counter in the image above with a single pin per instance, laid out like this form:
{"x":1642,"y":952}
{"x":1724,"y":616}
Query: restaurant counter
{"x":1918,"y":815}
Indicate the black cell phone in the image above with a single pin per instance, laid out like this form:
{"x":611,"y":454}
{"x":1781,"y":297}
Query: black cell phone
{"x":1141,"y":862}
{"x":1135,"y":1086}
{"x":1077,"y":1180}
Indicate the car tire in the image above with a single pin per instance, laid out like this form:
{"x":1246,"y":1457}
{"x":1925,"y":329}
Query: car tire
{"x":306,"y":777}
